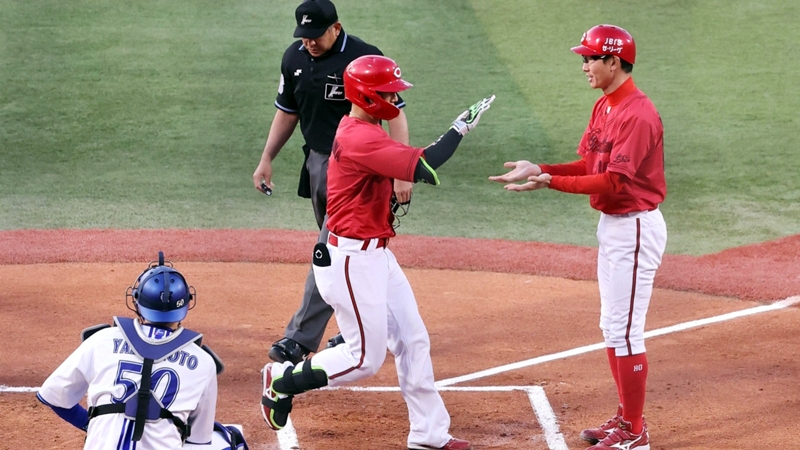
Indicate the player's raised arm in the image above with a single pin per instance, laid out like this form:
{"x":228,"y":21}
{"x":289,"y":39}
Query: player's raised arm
{"x":443,"y":148}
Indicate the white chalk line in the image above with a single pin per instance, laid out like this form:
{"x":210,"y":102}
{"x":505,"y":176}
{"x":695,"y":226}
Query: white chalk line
{"x":599,"y":346}
{"x":4,"y":389}
{"x":287,"y":437}
{"x":541,"y":406}
{"x":547,"y":419}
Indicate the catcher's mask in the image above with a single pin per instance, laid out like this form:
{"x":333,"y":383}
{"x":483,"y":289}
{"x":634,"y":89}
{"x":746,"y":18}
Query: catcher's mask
{"x":160,"y":294}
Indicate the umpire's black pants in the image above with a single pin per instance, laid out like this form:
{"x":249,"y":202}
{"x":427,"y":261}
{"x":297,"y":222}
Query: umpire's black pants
{"x":307,"y":327}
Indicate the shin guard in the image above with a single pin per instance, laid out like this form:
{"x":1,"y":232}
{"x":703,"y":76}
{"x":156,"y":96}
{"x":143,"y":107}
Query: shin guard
{"x":300,"y":378}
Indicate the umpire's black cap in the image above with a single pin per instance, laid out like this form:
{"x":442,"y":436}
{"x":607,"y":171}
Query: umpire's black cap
{"x":314,"y":17}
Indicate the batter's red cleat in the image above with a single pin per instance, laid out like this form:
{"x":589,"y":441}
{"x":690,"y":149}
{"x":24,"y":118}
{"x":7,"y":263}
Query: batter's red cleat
{"x":452,"y":444}
{"x":275,"y":407}
{"x":595,"y":435}
{"x":621,"y":438}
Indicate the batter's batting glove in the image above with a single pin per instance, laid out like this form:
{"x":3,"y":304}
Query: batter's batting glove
{"x":469,"y":118}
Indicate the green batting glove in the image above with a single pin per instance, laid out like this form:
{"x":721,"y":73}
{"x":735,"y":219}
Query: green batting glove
{"x":469,"y":118}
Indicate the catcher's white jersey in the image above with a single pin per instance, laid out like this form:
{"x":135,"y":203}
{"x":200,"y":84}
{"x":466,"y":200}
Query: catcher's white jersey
{"x":106,"y":370}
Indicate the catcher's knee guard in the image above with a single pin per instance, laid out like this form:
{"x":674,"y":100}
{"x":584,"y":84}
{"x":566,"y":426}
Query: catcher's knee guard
{"x":300,"y":378}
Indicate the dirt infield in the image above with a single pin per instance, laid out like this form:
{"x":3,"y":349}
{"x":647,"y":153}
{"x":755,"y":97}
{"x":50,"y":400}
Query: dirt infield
{"x":486,"y":304}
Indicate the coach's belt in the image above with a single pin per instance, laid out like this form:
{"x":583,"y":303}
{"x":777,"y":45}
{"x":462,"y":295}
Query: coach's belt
{"x":381,"y":242}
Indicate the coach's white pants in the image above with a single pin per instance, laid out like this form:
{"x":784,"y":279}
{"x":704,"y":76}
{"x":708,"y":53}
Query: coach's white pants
{"x":375,"y":309}
{"x":630,"y":251}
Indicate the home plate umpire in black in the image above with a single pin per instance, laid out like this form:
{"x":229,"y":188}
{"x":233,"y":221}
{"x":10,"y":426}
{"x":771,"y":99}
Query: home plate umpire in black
{"x":311,"y":91}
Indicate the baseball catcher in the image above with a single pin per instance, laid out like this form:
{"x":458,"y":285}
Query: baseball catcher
{"x":149,"y":383}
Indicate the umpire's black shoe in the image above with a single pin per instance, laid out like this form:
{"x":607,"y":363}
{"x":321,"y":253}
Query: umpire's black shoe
{"x":288,"y":350}
{"x":334,"y":341}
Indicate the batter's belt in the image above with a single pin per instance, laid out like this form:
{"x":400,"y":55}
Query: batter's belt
{"x":379,"y":242}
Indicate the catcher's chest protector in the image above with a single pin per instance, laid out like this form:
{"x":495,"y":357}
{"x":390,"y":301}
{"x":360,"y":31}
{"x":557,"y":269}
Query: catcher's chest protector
{"x":144,"y":407}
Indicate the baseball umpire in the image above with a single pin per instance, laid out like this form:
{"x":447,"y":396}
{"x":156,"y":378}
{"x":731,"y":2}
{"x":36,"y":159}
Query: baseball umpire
{"x":149,"y":383}
{"x":622,"y":170}
{"x":311,"y":92}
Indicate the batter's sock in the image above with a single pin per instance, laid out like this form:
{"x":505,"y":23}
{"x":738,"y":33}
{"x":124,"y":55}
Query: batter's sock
{"x":612,"y":361}
{"x":632,"y":371}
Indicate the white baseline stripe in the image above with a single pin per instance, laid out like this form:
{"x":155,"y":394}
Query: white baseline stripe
{"x":363,"y":389}
{"x":287,"y":437}
{"x":721,"y":318}
{"x":442,"y":389}
{"x":541,"y":406}
{"x":588,"y":348}
{"x":547,"y":419}
{"x":4,"y":388}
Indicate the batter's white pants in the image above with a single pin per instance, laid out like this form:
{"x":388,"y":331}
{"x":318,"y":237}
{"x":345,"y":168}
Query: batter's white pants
{"x":631,"y":248}
{"x":375,"y":309}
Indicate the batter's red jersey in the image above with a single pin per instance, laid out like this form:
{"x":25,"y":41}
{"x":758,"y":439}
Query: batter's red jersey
{"x":625,"y":135}
{"x":362,"y":165}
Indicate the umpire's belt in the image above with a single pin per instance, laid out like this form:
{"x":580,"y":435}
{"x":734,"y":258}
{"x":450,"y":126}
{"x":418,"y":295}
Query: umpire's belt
{"x":356,"y":244}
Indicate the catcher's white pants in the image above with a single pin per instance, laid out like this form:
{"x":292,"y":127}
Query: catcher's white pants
{"x":631,"y":247}
{"x":375,"y":309}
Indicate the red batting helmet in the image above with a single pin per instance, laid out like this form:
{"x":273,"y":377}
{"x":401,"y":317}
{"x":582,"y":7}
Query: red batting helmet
{"x":368,"y":75}
{"x":607,"y":40}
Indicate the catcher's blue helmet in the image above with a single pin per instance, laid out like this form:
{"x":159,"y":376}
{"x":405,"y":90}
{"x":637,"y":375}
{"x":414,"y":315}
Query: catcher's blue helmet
{"x":160,"y":294}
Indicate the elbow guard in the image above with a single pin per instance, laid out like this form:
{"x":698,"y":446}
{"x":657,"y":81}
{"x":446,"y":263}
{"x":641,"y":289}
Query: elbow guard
{"x":425,"y":173}
{"x":435,"y":155}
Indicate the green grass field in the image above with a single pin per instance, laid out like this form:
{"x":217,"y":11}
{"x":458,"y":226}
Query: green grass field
{"x":153,"y":114}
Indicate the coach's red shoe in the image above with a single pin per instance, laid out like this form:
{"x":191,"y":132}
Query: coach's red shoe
{"x":452,"y":444}
{"x":595,"y":435}
{"x":622,"y":438}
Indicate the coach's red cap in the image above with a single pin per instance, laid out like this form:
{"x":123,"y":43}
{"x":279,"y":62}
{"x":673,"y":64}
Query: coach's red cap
{"x":314,"y":17}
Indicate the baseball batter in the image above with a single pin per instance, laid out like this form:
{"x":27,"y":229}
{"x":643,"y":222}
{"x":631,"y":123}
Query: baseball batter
{"x":311,"y":93}
{"x":355,"y":271}
{"x":177,"y":401}
{"x":622,"y":170}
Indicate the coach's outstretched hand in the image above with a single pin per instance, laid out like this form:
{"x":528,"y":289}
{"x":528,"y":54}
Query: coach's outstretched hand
{"x":520,"y":170}
{"x":469,"y":118}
